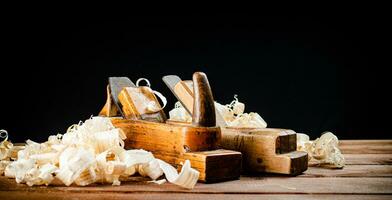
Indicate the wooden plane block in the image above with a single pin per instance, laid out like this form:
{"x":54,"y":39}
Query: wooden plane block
{"x":263,"y":150}
{"x":169,"y":138}
{"x":266,"y":150}
{"x":176,"y":142}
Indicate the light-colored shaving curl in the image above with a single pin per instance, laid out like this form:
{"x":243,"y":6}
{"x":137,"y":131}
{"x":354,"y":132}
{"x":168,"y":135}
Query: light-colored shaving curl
{"x":232,"y":113}
{"x":324,"y":151}
{"x":89,"y":152}
{"x":152,"y":106}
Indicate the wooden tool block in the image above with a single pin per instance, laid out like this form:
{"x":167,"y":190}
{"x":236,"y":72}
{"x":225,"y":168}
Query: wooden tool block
{"x":174,"y":143}
{"x":173,"y":139}
{"x":266,"y":150}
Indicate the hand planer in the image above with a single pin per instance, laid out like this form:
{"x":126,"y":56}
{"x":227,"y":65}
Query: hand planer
{"x":263,"y":149}
{"x":173,"y":142}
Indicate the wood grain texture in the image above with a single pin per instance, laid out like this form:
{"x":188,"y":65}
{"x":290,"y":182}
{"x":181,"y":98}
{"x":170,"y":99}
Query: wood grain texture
{"x":366,"y":146}
{"x":185,"y":93}
{"x":368,"y":159}
{"x":203,"y":104}
{"x":169,"y":138}
{"x":14,"y":195}
{"x":350,"y":171}
{"x":174,"y":143}
{"x":365,"y":142}
{"x":367,"y":180}
{"x":371,"y":178}
{"x":266,"y":150}
{"x":214,"y":166}
{"x":246,"y":185}
{"x":269,"y":150}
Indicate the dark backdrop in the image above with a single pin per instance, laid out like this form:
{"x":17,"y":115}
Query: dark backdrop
{"x":307,"y":73}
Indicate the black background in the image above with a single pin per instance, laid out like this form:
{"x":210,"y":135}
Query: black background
{"x":308,"y":73}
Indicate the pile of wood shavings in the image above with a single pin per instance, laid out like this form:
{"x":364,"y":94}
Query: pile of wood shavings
{"x":90,"y":152}
{"x":324,"y":151}
{"x":232,"y":113}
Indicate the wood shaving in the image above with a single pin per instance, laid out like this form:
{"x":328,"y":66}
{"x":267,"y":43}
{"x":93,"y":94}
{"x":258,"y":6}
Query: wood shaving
{"x":90,"y":152}
{"x":232,"y":113}
{"x":5,"y":146}
{"x":8,"y":152}
{"x":178,"y":113}
{"x":152,"y":106}
{"x":187,"y":177}
{"x":324,"y":150}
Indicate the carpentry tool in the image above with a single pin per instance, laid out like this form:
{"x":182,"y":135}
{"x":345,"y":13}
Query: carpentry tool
{"x":175,"y":142}
{"x":137,"y":105}
{"x":264,"y":149}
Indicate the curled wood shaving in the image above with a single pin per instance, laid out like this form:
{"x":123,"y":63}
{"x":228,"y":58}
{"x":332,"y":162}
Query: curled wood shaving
{"x":178,"y":113}
{"x":8,"y":152}
{"x":152,"y":106}
{"x":232,"y":113}
{"x":90,"y":152}
{"x":324,"y":150}
{"x":187,"y":177}
{"x":5,"y":146}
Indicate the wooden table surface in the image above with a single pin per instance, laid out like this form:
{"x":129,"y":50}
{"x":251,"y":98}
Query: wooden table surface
{"x":367,"y":175}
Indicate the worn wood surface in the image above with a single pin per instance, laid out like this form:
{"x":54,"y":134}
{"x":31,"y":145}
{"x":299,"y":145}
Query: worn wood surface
{"x":129,"y":196}
{"x":366,"y":146}
{"x":203,"y":105}
{"x":175,"y":142}
{"x":367,"y":175}
{"x":184,"y":92}
{"x":264,"y":150}
{"x":167,"y":137}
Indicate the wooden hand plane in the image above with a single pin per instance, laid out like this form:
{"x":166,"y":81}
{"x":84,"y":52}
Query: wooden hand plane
{"x":173,"y":142}
{"x":263,"y":149}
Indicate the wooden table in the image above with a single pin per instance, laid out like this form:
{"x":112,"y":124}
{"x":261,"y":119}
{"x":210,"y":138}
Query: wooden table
{"x":367,"y":175}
